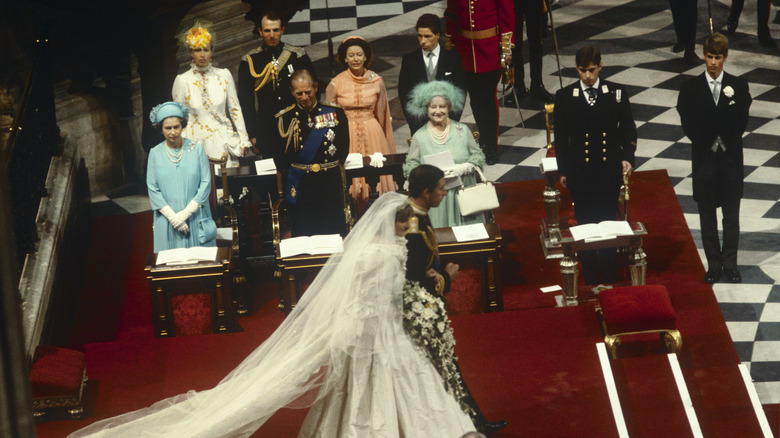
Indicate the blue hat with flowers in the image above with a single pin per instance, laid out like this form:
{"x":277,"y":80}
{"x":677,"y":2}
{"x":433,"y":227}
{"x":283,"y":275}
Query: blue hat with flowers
{"x":168,"y":109}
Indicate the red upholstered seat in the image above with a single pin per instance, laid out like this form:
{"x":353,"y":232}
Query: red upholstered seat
{"x":58,"y":376}
{"x":637,"y":308}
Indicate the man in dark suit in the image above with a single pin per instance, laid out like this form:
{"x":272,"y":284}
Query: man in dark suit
{"x":714,"y":109}
{"x":264,"y":75}
{"x":426,"y":190}
{"x":595,"y":142}
{"x":314,"y":142}
{"x":428,"y":63}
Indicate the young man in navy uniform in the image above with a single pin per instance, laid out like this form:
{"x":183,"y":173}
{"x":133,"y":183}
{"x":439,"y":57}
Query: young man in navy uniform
{"x":595,"y":142}
{"x":714,"y":109}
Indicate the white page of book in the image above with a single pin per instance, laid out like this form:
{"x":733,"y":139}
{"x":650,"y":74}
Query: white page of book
{"x":548,"y":164}
{"x":319,"y":244}
{"x":354,"y":161}
{"x":443,"y":160}
{"x":466,"y":233}
{"x":265,"y":167}
{"x":184,"y":256}
{"x":601,"y":231}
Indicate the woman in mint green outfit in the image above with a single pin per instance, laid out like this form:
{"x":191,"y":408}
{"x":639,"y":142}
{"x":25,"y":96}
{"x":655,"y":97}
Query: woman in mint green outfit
{"x":435,"y":100}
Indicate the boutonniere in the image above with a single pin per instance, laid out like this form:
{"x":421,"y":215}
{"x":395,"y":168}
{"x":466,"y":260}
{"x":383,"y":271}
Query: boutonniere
{"x":728,"y":91}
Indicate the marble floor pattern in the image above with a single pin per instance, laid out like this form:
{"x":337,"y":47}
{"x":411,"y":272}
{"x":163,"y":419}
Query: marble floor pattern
{"x":635,"y":37}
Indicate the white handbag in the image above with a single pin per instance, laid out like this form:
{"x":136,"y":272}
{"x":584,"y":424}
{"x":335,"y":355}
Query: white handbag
{"x":477,"y":198}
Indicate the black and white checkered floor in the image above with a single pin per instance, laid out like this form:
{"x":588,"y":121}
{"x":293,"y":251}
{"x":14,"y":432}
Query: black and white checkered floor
{"x":635,"y":37}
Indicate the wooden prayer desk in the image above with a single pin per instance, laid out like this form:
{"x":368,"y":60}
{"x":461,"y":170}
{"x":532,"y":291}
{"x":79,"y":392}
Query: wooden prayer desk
{"x":488,"y":254}
{"x":637,"y":261}
{"x":291,"y":270}
{"x":168,"y":281}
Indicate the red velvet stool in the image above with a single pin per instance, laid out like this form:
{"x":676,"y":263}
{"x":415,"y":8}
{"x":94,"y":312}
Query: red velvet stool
{"x":58,"y":377}
{"x":637,"y":310}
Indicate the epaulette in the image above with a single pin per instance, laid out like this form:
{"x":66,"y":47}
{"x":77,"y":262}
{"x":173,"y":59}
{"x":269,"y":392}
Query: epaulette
{"x":251,"y":52}
{"x":300,"y":51}
{"x":414,"y":226}
{"x":333,"y":105}
{"x":284,"y":110}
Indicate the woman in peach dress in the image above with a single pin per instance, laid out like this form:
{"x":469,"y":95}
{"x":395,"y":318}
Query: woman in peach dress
{"x":362,"y":94}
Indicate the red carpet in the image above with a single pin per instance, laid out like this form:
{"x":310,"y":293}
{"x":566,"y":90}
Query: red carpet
{"x":536,"y":367}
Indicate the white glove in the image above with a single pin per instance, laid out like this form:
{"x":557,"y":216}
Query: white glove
{"x":406,"y":185}
{"x":460,"y":169}
{"x":174,"y":220}
{"x":185,"y":214}
{"x":377,"y":160}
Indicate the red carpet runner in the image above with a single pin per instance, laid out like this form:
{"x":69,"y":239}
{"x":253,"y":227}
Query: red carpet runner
{"x":533,"y":365}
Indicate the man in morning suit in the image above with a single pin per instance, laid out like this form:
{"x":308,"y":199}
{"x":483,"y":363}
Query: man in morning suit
{"x":431,"y":62}
{"x":426,"y":190}
{"x":595,"y":142}
{"x":313,"y":141}
{"x":264,"y":81}
{"x":483,"y":34}
{"x":713,"y":111}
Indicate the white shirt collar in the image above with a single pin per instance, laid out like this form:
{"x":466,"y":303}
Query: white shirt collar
{"x":719,"y":79}
{"x":585,"y":87}
{"x":435,"y":51}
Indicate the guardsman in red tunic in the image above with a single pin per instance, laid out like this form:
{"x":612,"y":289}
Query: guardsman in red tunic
{"x":482,"y":32}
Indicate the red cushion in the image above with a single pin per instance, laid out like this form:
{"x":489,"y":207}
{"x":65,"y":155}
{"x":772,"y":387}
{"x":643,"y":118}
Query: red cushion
{"x":637,"y":308}
{"x":56,"y":371}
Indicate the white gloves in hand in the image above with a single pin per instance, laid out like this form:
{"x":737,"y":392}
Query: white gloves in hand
{"x":177,"y":223}
{"x":406,"y":185}
{"x":377,"y":159}
{"x":460,"y":169}
{"x":185,"y":214}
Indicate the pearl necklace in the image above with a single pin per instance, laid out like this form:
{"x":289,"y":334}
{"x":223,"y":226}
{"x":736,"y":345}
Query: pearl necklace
{"x":173,"y":156}
{"x":439,"y":138}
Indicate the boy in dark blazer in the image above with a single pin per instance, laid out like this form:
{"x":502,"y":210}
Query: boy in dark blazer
{"x":714,"y":109}
{"x":595,"y":142}
{"x":445,"y":65}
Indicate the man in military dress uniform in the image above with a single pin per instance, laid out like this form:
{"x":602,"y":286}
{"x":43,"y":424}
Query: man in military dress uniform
{"x":595,"y":142}
{"x":313,"y":140}
{"x":265,"y":73}
{"x":426,"y":190}
{"x":483,"y":35}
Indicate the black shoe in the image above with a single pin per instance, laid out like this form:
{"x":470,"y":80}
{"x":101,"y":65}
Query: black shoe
{"x":491,"y":158}
{"x":678,"y":47}
{"x":731,"y":25}
{"x":691,"y":56}
{"x":713,"y":275}
{"x":766,"y":41}
{"x":492,"y":427}
{"x":538,"y":92}
{"x":732,"y":275}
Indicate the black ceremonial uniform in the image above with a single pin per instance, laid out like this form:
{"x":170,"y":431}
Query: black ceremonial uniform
{"x":265,"y":74}
{"x":314,"y":145}
{"x":423,"y":254}
{"x":591,"y":142}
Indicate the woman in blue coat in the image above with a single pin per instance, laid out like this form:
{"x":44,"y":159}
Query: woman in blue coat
{"x":179,"y":183}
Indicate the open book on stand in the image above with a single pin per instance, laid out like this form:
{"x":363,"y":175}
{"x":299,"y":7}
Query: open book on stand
{"x":601,"y":231}
{"x":185,"y":256}
{"x":314,"y":245}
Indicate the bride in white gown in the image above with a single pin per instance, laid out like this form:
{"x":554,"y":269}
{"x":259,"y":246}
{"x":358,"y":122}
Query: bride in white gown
{"x":342,"y":350}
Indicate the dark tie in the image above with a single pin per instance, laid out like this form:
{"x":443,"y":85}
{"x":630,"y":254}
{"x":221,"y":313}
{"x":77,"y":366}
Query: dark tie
{"x":591,"y":96}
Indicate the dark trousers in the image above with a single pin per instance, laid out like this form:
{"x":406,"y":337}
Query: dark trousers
{"x":484,"y":105}
{"x":762,"y":14}
{"x":684,"y":16}
{"x":717,"y":184}
{"x":599,"y":265}
{"x":531,"y":11}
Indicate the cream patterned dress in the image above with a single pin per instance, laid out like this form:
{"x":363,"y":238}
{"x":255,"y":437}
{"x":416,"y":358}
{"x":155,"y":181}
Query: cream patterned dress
{"x":215,"y":120}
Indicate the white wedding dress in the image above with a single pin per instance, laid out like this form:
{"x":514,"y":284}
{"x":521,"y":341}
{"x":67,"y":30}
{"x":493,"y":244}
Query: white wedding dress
{"x":215,"y":119}
{"x":342,"y":350}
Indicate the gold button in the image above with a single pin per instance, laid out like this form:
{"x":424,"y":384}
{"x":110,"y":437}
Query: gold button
{"x":315,"y":167}
{"x":604,"y":159}
{"x":586,"y":135}
{"x":604,"y":150}
{"x":603,"y":134}
{"x":586,"y":152}
{"x":587,"y":159}
{"x":604,"y":142}
{"x":586,"y":143}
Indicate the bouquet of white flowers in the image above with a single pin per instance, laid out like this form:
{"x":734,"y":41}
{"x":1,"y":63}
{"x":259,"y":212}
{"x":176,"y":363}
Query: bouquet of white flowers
{"x":427,"y":324}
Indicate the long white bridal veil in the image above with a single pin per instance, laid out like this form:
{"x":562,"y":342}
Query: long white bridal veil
{"x":287,"y":369}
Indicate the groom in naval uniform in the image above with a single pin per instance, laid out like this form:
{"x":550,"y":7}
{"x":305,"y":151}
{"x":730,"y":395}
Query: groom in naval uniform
{"x":714,"y":109}
{"x":595,"y":142}
{"x":431,"y":62}
{"x":426,"y":190}
{"x":312,"y":140}
{"x":264,"y":75}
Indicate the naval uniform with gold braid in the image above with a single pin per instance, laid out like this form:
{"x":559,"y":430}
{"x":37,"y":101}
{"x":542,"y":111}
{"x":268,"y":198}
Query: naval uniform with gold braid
{"x":591,"y":143}
{"x":313,"y":144}
{"x":265,"y":74}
